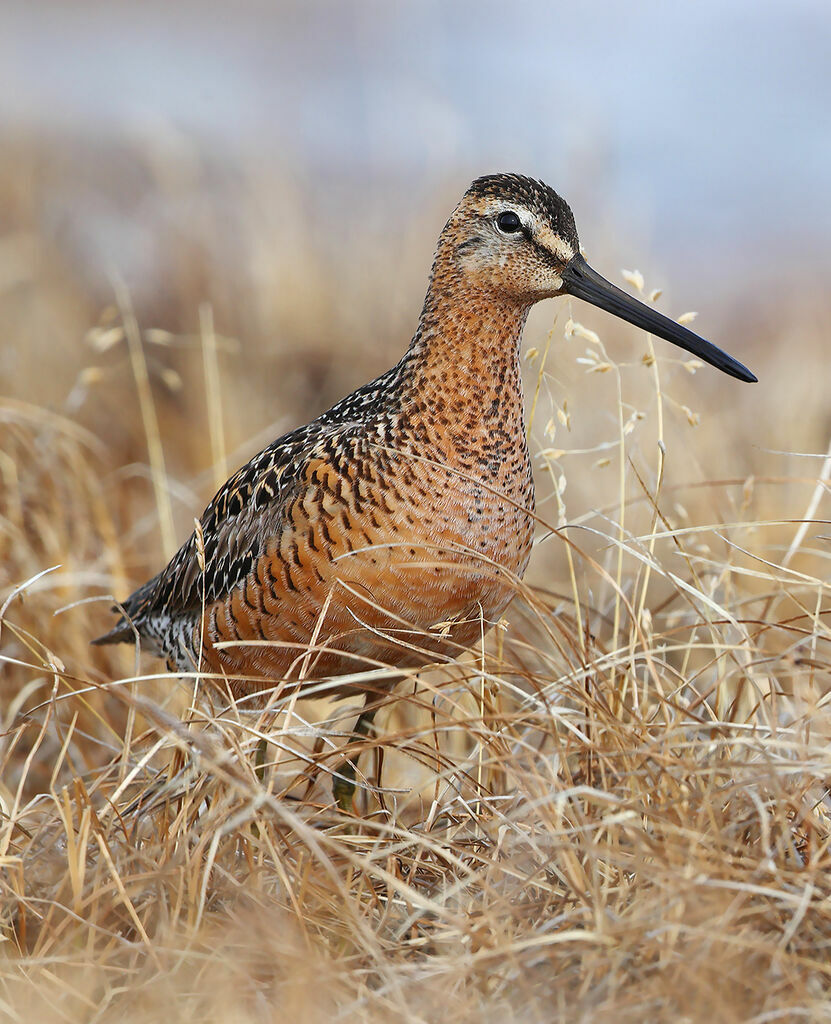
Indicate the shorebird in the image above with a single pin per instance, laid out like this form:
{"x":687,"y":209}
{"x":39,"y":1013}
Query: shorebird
{"x":390,"y":529}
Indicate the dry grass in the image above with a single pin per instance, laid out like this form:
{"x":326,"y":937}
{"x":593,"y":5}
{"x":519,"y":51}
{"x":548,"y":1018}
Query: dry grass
{"x":615,"y":809}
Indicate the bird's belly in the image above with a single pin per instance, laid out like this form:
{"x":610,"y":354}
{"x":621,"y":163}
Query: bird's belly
{"x":372,"y":583}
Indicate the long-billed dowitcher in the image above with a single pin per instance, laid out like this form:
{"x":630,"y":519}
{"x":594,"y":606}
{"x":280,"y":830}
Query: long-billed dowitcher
{"x":410,"y":502}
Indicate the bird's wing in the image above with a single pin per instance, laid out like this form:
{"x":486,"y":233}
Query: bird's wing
{"x":243,"y":515}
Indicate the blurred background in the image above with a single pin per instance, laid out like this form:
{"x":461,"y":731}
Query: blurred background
{"x":691,"y":140}
{"x":700,"y":124}
{"x":274,"y":176}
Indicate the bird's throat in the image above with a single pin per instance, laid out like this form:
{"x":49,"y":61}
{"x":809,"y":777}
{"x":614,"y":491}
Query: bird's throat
{"x":463,"y":365}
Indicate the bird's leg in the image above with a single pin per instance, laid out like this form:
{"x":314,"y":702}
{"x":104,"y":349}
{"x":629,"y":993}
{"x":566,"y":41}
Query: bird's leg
{"x":259,"y":759}
{"x":343,"y":784}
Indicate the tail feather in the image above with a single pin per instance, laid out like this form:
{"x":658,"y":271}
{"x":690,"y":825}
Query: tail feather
{"x":122,"y":633}
{"x":132,"y":613}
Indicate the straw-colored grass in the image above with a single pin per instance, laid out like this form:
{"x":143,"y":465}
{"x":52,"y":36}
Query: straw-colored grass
{"x":615,"y":808}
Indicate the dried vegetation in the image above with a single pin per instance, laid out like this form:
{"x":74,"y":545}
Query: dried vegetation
{"x":615,"y":809}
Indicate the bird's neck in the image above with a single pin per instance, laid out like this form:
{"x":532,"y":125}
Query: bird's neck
{"x":463,"y":364}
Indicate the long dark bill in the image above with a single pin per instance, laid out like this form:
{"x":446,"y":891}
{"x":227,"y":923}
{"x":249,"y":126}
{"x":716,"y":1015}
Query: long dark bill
{"x":584,"y":283}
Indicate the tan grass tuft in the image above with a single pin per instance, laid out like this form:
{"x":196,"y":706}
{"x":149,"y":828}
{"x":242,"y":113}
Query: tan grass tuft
{"x":616,"y":809}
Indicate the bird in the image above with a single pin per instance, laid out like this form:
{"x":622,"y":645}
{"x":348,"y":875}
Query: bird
{"x":393,"y":528}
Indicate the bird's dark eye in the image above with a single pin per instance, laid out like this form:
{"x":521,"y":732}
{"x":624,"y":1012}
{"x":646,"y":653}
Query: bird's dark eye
{"x":508,"y":222}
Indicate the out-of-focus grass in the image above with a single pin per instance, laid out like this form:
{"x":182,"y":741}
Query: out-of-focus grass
{"x":616,"y":809}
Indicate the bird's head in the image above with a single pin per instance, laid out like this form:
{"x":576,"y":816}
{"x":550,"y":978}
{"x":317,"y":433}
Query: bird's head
{"x":513,"y":235}
{"x":516,"y":237}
